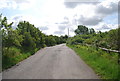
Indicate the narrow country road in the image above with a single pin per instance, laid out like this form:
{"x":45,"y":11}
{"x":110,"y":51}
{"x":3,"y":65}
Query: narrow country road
{"x":57,"y":62}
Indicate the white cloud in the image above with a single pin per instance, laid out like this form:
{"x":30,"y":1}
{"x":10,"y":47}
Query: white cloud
{"x":21,"y":17}
{"x":43,"y":28}
{"x":16,"y":4}
{"x":105,"y":27}
{"x":89,"y":21}
{"x":106,"y":8}
{"x":7,"y":4}
{"x":62,"y":27}
{"x":59,"y":32}
{"x":55,"y":17}
{"x":93,"y":14}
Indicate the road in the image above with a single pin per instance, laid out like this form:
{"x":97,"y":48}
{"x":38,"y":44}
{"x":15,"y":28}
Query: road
{"x":57,"y":62}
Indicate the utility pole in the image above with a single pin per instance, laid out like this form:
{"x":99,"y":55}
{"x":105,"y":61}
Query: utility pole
{"x":68,"y":32}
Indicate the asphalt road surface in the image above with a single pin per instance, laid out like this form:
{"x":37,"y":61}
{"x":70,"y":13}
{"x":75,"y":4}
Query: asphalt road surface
{"x":57,"y":62}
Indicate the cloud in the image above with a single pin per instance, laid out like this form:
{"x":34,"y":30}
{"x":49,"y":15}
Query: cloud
{"x":22,"y":17}
{"x":43,"y":28}
{"x":80,"y":0}
{"x":58,"y":16}
{"x":93,"y":14}
{"x":16,"y":19}
{"x":89,"y":21}
{"x":16,"y":4}
{"x":62,"y":27}
{"x":59,"y":32}
{"x":71,"y":30}
{"x":70,"y":4}
{"x":106,"y":9}
{"x":21,"y":1}
{"x":105,"y":27}
{"x":7,"y":4}
{"x":65,"y":20}
{"x":75,"y":4}
{"x":63,"y":24}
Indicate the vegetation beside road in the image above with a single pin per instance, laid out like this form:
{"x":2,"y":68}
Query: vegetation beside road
{"x":109,"y":39}
{"x":105,"y":64}
{"x":22,"y":41}
{"x":86,"y":44}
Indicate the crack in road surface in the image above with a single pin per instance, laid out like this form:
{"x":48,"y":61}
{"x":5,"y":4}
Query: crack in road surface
{"x":57,"y":62}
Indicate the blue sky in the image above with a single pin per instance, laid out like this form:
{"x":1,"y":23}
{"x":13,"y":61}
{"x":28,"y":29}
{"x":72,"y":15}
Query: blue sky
{"x":56,"y":16}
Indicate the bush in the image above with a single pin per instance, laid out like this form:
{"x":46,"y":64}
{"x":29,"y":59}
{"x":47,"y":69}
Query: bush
{"x":8,"y":56}
{"x":76,"y":40}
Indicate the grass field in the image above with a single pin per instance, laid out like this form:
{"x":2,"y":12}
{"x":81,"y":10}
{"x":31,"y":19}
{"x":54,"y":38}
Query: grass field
{"x":103,"y":63}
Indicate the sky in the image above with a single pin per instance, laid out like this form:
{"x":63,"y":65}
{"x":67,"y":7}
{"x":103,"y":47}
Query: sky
{"x":56,"y":16}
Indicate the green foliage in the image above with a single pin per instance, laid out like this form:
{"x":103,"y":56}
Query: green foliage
{"x":12,"y":56}
{"x":109,"y":40}
{"x":28,"y":42}
{"x":113,"y":39}
{"x":76,"y":40}
{"x":12,"y":38}
{"x":86,"y":44}
{"x":91,"y":31}
{"x":23,"y":41}
{"x":84,"y":30}
{"x":103,"y":63}
{"x":50,"y":41}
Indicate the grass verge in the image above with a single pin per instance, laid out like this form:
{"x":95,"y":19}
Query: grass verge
{"x":13,"y":56}
{"x":105,"y":64}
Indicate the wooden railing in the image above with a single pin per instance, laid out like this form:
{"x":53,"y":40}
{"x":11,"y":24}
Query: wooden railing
{"x":105,"y":49}
{"x":109,"y":50}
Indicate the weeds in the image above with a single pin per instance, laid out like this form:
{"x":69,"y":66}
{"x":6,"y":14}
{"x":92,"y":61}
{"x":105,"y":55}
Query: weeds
{"x":105,"y":64}
{"x":12,"y":56}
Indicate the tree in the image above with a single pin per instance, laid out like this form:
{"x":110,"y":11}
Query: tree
{"x":81,"y":30}
{"x":91,"y":31}
{"x":10,"y":37}
{"x":28,"y":42}
{"x":34,"y":33}
{"x":50,"y":40}
{"x":113,"y":38}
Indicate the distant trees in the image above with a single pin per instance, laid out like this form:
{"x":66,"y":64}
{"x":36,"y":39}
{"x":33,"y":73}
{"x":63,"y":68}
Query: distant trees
{"x":91,"y":31}
{"x":50,"y":40}
{"x":84,"y":35}
{"x":84,"y":30}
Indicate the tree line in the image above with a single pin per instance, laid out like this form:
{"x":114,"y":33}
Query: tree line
{"x":23,"y":41}
{"x":84,"y":35}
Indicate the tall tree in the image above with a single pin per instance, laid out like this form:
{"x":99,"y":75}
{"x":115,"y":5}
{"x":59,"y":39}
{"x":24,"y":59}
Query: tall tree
{"x":81,"y":30}
{"x":10,"y":37}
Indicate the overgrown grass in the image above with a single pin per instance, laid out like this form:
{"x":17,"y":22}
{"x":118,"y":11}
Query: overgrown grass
{"x":105,"y":64}
{"x":12,"y":56}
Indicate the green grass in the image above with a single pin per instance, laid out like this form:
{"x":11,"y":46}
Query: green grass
{"x":103,"y":63}
{"x":13,"y":56}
